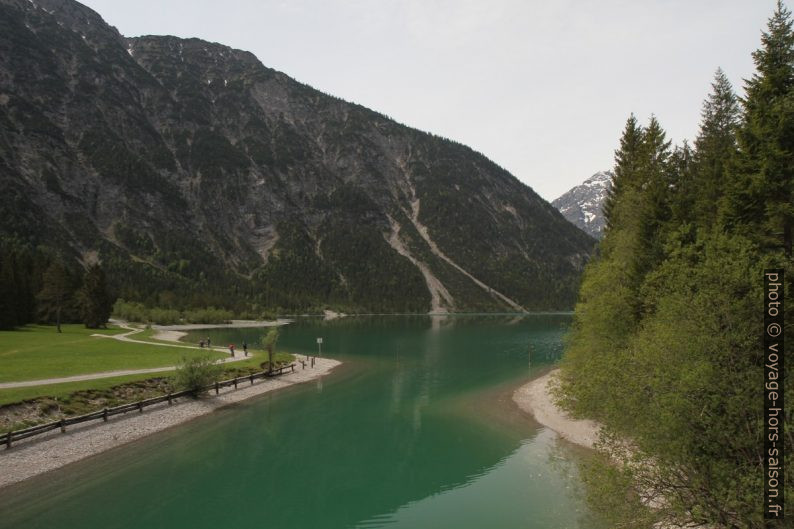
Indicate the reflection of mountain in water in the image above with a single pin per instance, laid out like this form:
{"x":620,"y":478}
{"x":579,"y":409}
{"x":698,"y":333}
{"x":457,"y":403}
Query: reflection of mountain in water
{"x":410,"y":414}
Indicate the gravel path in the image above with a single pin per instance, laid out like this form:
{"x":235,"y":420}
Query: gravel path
{"x":536,"y":399}
{"x":30,"y":457}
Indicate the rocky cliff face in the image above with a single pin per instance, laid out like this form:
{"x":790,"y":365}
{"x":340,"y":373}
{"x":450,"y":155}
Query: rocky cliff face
{"x":196,"y":173}
{"x":583,"y":204}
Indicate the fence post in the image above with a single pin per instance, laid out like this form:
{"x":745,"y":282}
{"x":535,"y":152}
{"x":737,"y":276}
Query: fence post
{"x":169,"y":398}
{"x":140,"y":407}
{"x":105,"y":415}
{"x":235,"y":382}
{"x":217,"y":388}
{"x":8,"y":440}
{"x":252,"y":380}
{"x":63,"y":426}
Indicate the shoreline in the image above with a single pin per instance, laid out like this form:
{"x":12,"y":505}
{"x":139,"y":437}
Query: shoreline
{"x":535,"y":399}
{"x":41,"y":454}
{"x":173,"y":333}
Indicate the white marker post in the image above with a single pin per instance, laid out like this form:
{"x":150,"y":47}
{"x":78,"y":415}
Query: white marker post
{"x":319,"y":347}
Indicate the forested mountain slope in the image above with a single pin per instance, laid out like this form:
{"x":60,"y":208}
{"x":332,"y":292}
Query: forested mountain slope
{"x":199,"y":175}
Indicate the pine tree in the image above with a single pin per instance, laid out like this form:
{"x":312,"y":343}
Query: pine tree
{"x":56,"y":292}
{"x":626,"y":162}
{"x":8,"y":292}
{"x":664,"y":347}
{"x":652,"y":211}
{"x":760,"y":198}
{"x":682,"y":191}
{"x":96,"y":303}
{"x":715,"y":146}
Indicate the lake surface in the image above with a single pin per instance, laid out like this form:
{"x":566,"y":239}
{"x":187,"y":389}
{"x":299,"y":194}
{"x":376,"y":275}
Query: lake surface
{"x":415,"y":430}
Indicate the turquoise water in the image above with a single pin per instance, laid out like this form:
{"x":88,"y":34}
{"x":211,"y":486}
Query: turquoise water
{"x":415,"y":430}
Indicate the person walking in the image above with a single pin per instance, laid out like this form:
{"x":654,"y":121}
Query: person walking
{"x":231,"y":350}
{"x":208,"y":342}
{"x":245,"y":348}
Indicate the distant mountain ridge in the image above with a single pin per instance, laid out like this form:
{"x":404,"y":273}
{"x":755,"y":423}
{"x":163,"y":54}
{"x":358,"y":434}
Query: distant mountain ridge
{"x":583,"y":204}
{"x":196,"y":173}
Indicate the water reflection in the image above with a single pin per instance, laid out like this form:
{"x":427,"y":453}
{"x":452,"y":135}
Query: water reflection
{"x":416,"y":418}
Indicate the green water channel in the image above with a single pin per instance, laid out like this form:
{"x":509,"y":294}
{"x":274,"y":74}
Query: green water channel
{"x":415,"y":430}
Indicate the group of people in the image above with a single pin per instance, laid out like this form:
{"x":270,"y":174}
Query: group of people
{"x":208,"y":343}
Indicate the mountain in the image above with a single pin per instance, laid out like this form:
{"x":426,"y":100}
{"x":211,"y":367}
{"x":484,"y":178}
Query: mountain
{"x":199,"y":176}
{"x":582,"y":204}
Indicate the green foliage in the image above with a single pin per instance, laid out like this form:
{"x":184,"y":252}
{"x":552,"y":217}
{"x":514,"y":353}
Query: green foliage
{"x":295,"y":277}
{"x":94,"y":299}
{"x":17,"y":285}
{"x":208,"y":315}
{"x":715,"y":147}
{"x":195,"y":373}
{"x":664,"y":350}
{"x":57,"y":293}
{"x":138,"y":312}
{"x":269,"y":342}
{"x":625,"y":165}
{"x":759,"y":200}
{"x":164,"y":316}
{"x":130,"y":311}
{"x":610,"y":491}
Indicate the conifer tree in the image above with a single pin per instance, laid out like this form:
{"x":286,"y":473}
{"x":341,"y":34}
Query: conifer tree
{"x":626,"y":163}
{"x":760,"y":200}
{"x":682,"y":190}
{"x":8,"y":292}
{"x":56,"y":292}
{"x":652,"y":210}
{"x":715,"y":146}
{"x":664,"y":347}
{"x":96,"y":303}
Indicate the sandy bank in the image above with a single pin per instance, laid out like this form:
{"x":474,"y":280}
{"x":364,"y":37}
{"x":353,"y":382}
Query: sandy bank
{"x":53,"y":450}
{"x":172,"y":333}
{"x":536,"y":399}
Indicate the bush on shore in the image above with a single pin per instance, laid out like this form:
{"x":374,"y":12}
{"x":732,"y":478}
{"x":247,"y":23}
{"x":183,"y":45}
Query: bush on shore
{"x":195,"y":374}
{"x":137,"y":312}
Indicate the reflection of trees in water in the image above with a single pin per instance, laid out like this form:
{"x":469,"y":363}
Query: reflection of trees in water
{"x":409,"y":416}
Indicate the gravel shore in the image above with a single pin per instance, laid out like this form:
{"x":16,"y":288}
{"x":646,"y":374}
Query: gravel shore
{"x":536,"y":399}
{"x":173,"y":333}
{"x":54,"y":449}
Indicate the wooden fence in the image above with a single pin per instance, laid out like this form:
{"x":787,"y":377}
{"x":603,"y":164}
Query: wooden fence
{"x":18,"y":435}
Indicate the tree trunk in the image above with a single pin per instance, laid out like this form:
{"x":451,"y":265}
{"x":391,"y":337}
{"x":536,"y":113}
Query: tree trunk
{"x":58,"y":318}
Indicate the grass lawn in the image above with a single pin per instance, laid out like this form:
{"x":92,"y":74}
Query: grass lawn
{"x":38,"y":351}
{"x":8,"y":396}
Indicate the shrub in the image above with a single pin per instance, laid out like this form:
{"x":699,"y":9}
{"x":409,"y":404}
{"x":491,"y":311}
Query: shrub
{"x":208,"y":315}
{"x":164,"y":316}
{"x":195,"y":374}
{"x":130,"y":311}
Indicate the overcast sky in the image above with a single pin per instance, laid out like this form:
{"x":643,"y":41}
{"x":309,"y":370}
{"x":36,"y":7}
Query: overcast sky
{"x":542,"y":87}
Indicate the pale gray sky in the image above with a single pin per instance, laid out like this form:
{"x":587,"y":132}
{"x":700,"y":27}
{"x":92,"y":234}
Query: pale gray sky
{"x":543,"y":88}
